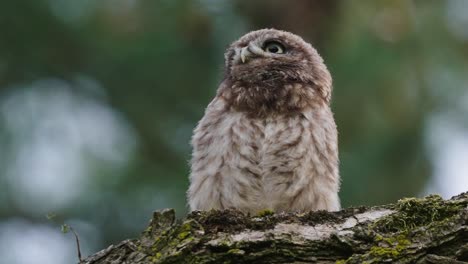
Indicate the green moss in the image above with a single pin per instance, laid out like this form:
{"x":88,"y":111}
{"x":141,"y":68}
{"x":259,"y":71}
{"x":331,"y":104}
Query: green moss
{"x":178,"y":240}
{"x":183,"y":235}
{"x":398,"y":240}
{"x":186,"y":226}
{"x":265,"y":212}
{"x":388,"y":246}
{"x":184,"y":231}
{"x":383,"y":252}
{"x":148,"y":229}
{"x":402,"y":243}
{"x":378,"y":238}
{"x":414,"y":212}
{"x":340,"y":261}
{"x":392,"y":234}
{"x":156,"y":257}
{"x":236,"y":251}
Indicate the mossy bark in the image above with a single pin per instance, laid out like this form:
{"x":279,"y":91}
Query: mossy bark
{"x":427,"y":230}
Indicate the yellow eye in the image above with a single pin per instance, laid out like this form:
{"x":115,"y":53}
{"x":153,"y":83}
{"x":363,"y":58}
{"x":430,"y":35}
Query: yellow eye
{"x":274,"y":47}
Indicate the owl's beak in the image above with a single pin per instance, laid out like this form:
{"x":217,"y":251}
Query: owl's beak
{"x":245,"y":53}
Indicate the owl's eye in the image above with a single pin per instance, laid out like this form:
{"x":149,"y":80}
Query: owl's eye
{"x":274,"y":47}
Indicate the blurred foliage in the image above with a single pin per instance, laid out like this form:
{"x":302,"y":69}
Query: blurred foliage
{"x":157,"y":65}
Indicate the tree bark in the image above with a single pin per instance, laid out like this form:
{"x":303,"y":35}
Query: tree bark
{"x":427,"y":230}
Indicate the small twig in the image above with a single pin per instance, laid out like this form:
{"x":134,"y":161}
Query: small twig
{"x":77,"y":239}
{"x":65,"y":229}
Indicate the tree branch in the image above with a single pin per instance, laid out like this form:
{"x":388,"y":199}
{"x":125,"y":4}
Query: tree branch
{"x":428,"y":230}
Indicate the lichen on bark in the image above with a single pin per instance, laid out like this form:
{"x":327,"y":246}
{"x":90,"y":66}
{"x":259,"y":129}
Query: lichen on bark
{"x":426,"y":230}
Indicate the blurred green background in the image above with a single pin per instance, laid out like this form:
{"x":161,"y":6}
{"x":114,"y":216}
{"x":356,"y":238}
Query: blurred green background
{"x":98,"y":100}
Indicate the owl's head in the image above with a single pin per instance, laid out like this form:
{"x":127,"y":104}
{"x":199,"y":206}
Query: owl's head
{"x":269,"y":59}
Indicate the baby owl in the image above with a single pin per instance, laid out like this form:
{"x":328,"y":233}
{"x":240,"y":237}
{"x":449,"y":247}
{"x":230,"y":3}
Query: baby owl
{"x":268,"y":139}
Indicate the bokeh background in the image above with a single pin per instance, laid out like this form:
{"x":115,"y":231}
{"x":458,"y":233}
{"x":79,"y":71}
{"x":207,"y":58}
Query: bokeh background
{"x":98,"y":100}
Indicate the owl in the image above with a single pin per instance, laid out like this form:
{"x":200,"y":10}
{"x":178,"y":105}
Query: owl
{"x":268,"y":139}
